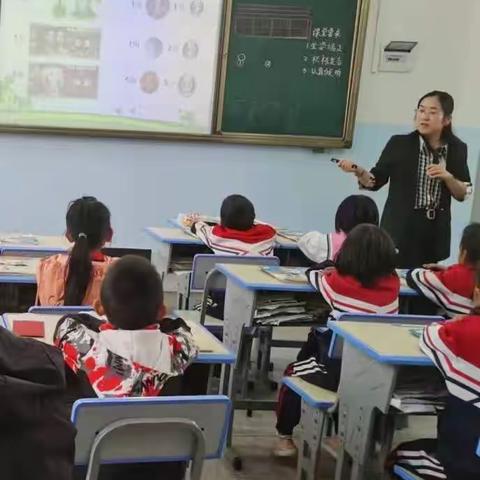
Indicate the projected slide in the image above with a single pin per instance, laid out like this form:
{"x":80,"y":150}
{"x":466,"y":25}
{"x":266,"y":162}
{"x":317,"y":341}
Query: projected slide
{"x":137,"y":65}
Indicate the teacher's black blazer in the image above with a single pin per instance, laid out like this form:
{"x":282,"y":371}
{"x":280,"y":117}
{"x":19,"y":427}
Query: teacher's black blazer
{"x":398,"y":165}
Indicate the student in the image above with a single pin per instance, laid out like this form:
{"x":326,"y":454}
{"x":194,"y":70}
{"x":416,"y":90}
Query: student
{"x":37,"y":439}
{"x":237,"y":233}
{"x":363,"y":280}
{"x":451,"y":288}
{"x":76,"y":278}
{"x":353,"y":211}
{"x":134,"y":352}
{"x":453,"y":348}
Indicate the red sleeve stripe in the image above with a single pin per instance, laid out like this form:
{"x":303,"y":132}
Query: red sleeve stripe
{"x":428,"y":284}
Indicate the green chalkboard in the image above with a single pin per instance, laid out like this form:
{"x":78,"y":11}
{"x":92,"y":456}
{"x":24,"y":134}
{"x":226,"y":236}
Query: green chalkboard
{"x":291,"y":70}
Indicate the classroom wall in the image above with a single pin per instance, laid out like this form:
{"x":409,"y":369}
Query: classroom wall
{"x":146,"y":182}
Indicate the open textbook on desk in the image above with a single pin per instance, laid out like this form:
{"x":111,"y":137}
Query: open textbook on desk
{"x":287,"y":274}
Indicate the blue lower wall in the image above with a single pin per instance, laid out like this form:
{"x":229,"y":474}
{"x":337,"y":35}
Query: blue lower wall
{"x":145,"y":182}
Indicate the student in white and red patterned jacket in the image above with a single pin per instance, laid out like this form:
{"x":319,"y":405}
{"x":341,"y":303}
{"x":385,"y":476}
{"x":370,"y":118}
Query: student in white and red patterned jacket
{"x":362,"y":280}
{"x":451,"y":288}
{"x":237,"y":234}
{"x":455,"y":454}
{"x":131,"y":354}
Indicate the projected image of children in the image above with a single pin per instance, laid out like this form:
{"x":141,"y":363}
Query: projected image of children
{"x":48,"y":41}
{"x":61,"y":81}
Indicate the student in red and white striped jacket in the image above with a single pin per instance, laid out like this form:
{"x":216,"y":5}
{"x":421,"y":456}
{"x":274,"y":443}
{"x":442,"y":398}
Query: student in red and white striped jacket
{"x":362,"y":280}
{"x":237,"y":234}
{"x":451,"y":288}
{"x":455,"y":454}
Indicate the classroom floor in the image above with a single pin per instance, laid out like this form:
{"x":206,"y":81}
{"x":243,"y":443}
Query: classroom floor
{"x":254,"y":438}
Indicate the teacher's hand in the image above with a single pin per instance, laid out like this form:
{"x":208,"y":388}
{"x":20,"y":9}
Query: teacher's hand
{"x":438,"y":171}
{"x":366,"y":179}
{"x":348,"y":166}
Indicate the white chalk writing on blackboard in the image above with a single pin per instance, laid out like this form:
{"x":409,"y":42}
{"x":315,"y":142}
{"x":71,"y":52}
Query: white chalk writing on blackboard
{"x":324,"y":55}
{"x":327,"y":32}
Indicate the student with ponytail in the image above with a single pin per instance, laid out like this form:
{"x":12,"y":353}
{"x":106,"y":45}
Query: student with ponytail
{"x":75,"y":278}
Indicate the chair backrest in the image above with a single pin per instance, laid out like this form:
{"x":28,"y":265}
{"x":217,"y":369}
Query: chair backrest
{"x":203,"y":264}
{"x":336,"y":343}
{"x":180,"y":430}
{"x":60,"y":310}
{"x":152,"y":429}
{"x":117,"y":252}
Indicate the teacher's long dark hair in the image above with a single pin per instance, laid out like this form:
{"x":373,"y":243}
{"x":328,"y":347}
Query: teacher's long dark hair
{"x":88,"y":226}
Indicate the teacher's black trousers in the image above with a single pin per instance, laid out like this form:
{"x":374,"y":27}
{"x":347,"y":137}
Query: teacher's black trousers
{"x":420,"y":243}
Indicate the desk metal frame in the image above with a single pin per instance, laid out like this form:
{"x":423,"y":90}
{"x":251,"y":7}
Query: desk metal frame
{"x":367,"y":383}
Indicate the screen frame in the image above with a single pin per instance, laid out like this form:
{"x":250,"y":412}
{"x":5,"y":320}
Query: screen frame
{"x":216,"y":135}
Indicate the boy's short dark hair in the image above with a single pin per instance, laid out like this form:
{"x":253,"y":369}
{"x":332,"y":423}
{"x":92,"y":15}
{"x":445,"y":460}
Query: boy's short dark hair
{"x":132,"y":293}
{"x":367,"y":254}
{"x":470,"y":243}
{"x":355,"y":210}
{"x":237,"y":212}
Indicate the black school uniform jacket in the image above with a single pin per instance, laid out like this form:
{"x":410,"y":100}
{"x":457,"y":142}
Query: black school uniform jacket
{"x":398,"y":165}
{"x":36,"y":436}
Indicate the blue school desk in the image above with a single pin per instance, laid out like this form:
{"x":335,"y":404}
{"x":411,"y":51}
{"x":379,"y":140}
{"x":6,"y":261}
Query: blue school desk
{"x":32,"y":245}
{"x":174,"y":251}
{"x":282,"y":241}
{"x":212,"y":351}
{"x":373,"y":356}
{"x":18,"y":270}
{"x":243,"y":285}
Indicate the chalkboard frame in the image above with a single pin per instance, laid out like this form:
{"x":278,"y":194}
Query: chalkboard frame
{"x":346,"y":140}
{"x":217,"y":136}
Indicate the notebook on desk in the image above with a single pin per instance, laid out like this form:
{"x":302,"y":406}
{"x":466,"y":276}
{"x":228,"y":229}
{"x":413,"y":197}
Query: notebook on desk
{"x":29,"y":328}
{"x":416,"y":332}
{"x":290,"y":234}
{"x":286,"y":274}
{"x":20,"y":239}
{"x":184,"y":224}
{"x":18,"y":266}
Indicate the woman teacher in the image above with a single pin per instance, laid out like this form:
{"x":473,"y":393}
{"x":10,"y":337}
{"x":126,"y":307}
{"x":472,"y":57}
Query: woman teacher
{"x":425,"y":169}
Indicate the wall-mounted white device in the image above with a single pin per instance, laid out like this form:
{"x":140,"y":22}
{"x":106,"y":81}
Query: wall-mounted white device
{"x":398,"y":56}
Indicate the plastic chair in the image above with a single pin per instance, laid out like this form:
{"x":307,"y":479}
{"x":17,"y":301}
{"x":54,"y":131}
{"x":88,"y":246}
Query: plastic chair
{"x":201,"y":278}
{"x":150,"y":430}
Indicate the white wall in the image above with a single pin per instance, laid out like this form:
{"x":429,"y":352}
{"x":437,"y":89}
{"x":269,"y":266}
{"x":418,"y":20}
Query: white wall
{"x":146,"y":182}
{"x":448,"y":32}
